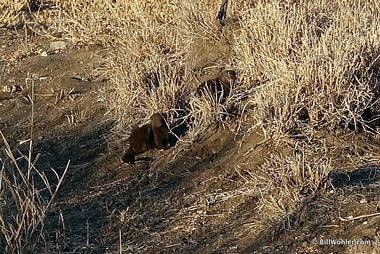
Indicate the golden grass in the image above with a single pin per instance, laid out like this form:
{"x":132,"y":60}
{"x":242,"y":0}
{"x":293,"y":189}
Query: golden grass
{"x":303,"y":65}
{"x":26,"y":195}
{"x":312,"y":57}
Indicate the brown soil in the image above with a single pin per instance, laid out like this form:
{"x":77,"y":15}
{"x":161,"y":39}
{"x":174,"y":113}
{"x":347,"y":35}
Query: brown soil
{"x":190,"y":201}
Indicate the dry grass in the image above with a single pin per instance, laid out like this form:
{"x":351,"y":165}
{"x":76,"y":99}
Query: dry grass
{"x":303,"y":66}
{"x":26,"y":194}
{"x":314,"y":58}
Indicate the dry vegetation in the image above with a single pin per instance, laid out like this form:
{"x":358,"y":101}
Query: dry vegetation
{"x":308,"y":73}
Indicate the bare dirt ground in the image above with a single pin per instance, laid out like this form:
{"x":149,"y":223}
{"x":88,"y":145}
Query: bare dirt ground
{"x":192,"y":200}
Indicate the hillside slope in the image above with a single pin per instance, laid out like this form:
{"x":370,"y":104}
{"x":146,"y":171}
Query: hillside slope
{"x":255,"y":174}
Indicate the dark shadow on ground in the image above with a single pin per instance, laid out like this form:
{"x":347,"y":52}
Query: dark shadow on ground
{"x":73,"y":220}
{"x":359,"y":177}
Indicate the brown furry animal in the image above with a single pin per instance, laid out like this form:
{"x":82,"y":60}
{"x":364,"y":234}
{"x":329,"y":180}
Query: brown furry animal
{"x":219,"y":88}
{"x":160,"y":131}
{"x":147,"y":137}
{"x":140,"y":141}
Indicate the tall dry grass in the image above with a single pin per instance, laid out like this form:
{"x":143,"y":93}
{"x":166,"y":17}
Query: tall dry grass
{"x":26,"y":195}
{"x":316,"y":66}
{"x":303,"y":66}
{"x":315,"y":57}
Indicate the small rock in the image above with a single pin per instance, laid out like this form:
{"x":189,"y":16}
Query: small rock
{"x":58,"y":45}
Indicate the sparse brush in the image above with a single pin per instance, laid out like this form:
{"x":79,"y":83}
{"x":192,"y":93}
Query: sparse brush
{"x":26,"y":195}
{"x":310,"y":58}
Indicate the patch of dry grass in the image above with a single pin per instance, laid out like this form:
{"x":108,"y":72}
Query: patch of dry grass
{"x":316,"y":64}
{"x":313,"y":58}
{"x":25,"y":203}
{"x":11,"y":12}
{"x":26,"y":195}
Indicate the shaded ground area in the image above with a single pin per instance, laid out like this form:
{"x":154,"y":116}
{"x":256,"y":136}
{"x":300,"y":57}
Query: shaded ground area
{"x":190,"y":199}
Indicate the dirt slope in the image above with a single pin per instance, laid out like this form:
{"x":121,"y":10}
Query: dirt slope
{"x":193,"y":198}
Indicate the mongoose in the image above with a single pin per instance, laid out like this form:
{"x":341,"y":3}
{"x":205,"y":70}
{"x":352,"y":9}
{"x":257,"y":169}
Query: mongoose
{"x":160,"y":131}
{"x":140,"y":141}
{"x":218,"y":88}
{"x":147,"y":137}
